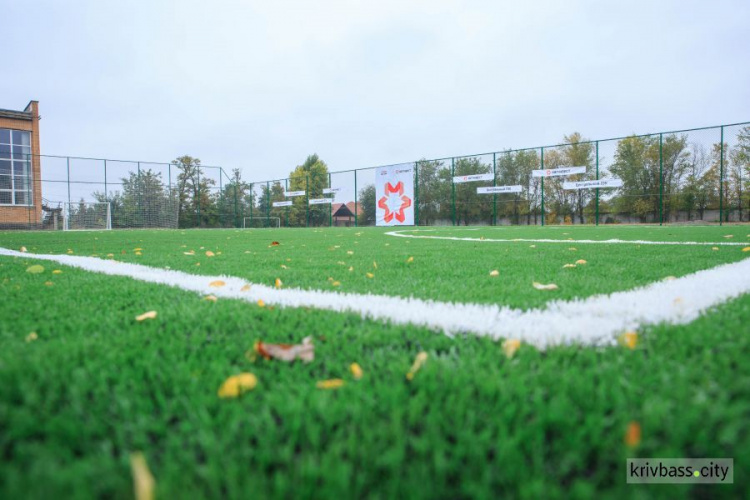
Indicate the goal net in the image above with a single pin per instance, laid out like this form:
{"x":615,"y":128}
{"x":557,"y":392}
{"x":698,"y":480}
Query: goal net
{"x":84,"y":216}
{"x":260,"y":222}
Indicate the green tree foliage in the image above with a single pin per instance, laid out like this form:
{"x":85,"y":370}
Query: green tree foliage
{"x":471,"y":208}
{"x":312,"y":177}
{"x":433,"y":190}
{"x":366,"y":200}
{"x":144,"y":201}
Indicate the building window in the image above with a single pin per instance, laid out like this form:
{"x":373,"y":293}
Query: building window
{"x":15,"y":167}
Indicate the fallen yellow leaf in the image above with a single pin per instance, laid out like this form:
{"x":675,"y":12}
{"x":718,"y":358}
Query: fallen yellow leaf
{"x":70,"y":251}
{"x":356,"y":371}
{"x":746,"y":249}
{"x":369,"y":275}
{"x":23,"y":249}
{"x":351,"y":268}
{"x":191,"y":252}
{"x":572,"y":249}
{"x":143,"y":481}
{"x":349,"y":252}
{"x":197,"y":263}
{"x":217,"y":284}
{"x":146,"y":315}
{"x":261,"y":303}
{"x":210,"y":298}
{"x":629,"y":339}
{"x":540,"y":286}
{"x":35,"y":269}
{"x":714,"y":248}
{"x":415,"y":367}
{"x":48,"y":283}
{"x":56,"y":271}
{"x":568,"y":266}
{"x":633,"y":434}
{"x":110,"y":255}
{"x":283,"y":266}
{"x":410,"y":260}
{"x":532,"y":246}
{"x":581,"y":262}
{"x":137,"y":249}
{"x":245,"y":288}
{"x":510,"y":346}
{"x":209,"y":253}
{"x":495,"y":273}
{"x":669,"y":278}
{"x":278,"y":283}
{"x":31,"y":337}
{"x":729,"y":236}
{"x":374,"y":264}
{"x":333,"y":383}
{"x":237,"y":384}
{"x":138,"y":253}
{"x":336,"y":283}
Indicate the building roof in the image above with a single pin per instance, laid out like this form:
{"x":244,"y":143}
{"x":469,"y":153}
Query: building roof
{"x":343,"y":211}
{"x":16,"y":115}
{"x":350,"y":207}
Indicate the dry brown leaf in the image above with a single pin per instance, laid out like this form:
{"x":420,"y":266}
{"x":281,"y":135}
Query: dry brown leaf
{"x":143,"y":481}
{"x":217,"y":284}
{"x":581,"y":262}
{"x":245,"y":288}
{"x":356,"y":371}
{"x":633,"y":434}
{"x":146,"y":315}
{"x":419,"y":361}
{"x":495,"y":273}
{"x":510,"y":346}
{"x":237,"y":384}
{"x":209,"y":253}
{"x":274,"y":244}
{"x":71,"y":251}
{"x":287,"y":352}
{"x":540,"y":286}
{"x":333,"y":383}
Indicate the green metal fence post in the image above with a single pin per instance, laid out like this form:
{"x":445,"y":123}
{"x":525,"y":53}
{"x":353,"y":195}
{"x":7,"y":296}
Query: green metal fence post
{"x":222,"y":217}
{"x":268,"y":203}
{"x":67,"y":158}
{"x":453,"y":188}
{"x":597,"y":178}
{"x":542,"y":187}
{"x":721,"y":179}
{"x":140,"y":197}
{"x":286,"y":188}
{"x":416,"y":193}
{"x":494,"y":183}
{"x":661,"y":180}
{"x":330,"y":205}
{"x":236,"y":221}
{"x":356,"y":203}
{"x":252,"y":202}
{"x":307,"y":200}
{"x":198,"y":191}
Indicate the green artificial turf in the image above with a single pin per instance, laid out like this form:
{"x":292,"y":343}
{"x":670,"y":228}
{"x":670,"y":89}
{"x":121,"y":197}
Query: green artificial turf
{"x":97,"y":385}
{"x":445,"y":270}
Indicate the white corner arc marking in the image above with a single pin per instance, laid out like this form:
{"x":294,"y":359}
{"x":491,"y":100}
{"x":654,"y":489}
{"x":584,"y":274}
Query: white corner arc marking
{"x":596,"y":320}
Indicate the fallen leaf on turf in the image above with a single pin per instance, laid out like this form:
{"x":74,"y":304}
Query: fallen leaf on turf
{"x":110,"y":255}
{"x":341,"y":263}
{"x":274,"y":244}
{"x":415,"y":367}
{"x":283,"y":266}
{"x":369,"y":275}
{"x":669,"y":278}
{"x":351,"y":268}
{"x":278,"y":283}
{"x":261,"y":303}
{"x":356,"y":371}
{"x":209,"y":253}
{"x":746,"y":249}
{"x":333,"y":383}
{"x":71,"y":251}
{"x":714,"y":248}
{"x":495,"y":273}
{"x":510,"y":346}
{"x":532,"y":246}
{"x":410,"y":260}
{"x":48,"y":283}
{"x":31,"y":337}
{"x":572,"y":249}
{"x":568,"y":265}
{"x":237,"y":384}
{"x":374,"y":264}
{"x":628,"y":339}
{"x":197,"y":263}
{"x":245,"y":288}
{"x":540,"y":286}
{"x":336,"y":283}
{"x":217,"y":284}
{"x":137,"y":249}
{"x":349,"y":252}
{"x":210,"y":298}
{"x":23,"y":249}
{"x":581,"y":262}
{"x":191,"y":252}
{"x":138,"y":253}
{"x":143,"y":481}
{"x":146,"y":315}
{"x":287,"y":352}
{"x":633,"y":434}
{"x":56,"y":271}
{"x":35,"y":269}
{"x":729,"y":236}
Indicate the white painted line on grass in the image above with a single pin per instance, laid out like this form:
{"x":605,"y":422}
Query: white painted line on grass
{"x":401,"y":234}
{"x":596,"y":320}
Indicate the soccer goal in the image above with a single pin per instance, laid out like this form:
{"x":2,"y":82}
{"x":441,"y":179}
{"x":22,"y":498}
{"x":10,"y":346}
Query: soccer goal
{"x":85,"y":216}
{"x":260,"y":222}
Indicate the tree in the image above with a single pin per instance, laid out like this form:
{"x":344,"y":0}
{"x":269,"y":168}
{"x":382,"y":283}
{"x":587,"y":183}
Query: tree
{"x":470,"y":206}
{"x":433,"y":190}
{"x":311,"y":177}
{"x":366,"y":200}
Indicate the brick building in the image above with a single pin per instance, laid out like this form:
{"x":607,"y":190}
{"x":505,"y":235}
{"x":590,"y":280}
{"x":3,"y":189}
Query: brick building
{"x":20,"y":168}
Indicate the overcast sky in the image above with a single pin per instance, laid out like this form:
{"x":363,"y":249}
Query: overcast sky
{"x":261,"y":84}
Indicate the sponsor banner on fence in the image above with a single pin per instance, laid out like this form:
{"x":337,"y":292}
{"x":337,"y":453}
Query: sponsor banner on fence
{"x":320,"y":201}
{"x":472,"y":178}
{"x":601,"y":183}
{"x":557,"y":172}
{"x":499,"y":189}
{"x":291,"y":194}
{"x":331,"y":190}
{"x":282,"y":203}
{"x":394,"y":192}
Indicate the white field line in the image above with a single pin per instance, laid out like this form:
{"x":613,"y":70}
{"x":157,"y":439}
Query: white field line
{"x":401,"y":234}
{"x":596,"y":320}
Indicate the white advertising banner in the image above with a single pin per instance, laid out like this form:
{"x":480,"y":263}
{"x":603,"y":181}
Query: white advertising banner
{"x":282,"y":203}
{"x":557,"y":172}
{"x":292,"y":194}
{"x":601,"y":183}
{"x":472,"y":178}
{"x":320,"y":201}
{"x":331,"y":190}
{"x":499,"y":189}
{"x":394,"y":195}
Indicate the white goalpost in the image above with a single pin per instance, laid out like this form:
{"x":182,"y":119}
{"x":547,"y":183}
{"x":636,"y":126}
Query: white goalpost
{"x":87,"y":216}
{"x":261,"y":222}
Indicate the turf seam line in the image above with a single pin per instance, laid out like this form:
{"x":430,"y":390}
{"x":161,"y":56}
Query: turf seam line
{"x":596,"y":320}
{"x":401,"y":234}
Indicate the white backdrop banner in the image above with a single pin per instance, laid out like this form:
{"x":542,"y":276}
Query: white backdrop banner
{"x":460,"y":179}
{"x":558,"y":172}
{"x":601,"y":183}
{"x":394,"y":195}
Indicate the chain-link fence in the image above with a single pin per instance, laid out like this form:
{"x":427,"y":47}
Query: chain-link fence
{"x":697,"y":175}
